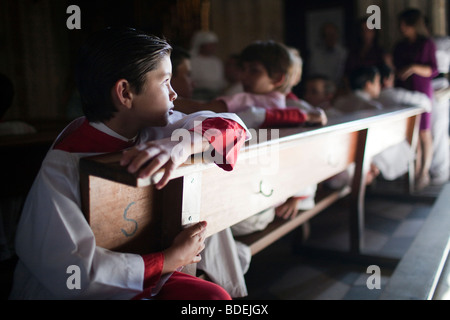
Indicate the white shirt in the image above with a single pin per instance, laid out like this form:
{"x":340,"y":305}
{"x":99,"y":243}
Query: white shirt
{"x":208,"y":73}
{"x":396,"y":97}
{"x":356,"y":101}
{"x":328,"y":62}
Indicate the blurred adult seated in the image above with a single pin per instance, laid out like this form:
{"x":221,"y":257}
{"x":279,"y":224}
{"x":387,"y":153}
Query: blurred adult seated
{"x":207,"y":68}
{"x":329,"y":56}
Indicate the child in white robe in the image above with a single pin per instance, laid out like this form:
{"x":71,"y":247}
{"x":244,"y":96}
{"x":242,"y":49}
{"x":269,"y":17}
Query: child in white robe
{"x":123,"y":76}
{"x":267,"y":76}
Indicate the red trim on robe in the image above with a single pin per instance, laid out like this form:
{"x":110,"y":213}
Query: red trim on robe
{"x":153,"y":263}
{"x":226,"y":136}
{"x":283,"y":117}
{"x":182,"y":286}
{"x":87,"y":139}
{"x":301,"y":198}
{"x":292,"y":96}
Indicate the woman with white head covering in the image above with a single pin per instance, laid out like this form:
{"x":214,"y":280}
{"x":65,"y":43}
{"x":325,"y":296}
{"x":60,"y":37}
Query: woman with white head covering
{"x":207,"y":68}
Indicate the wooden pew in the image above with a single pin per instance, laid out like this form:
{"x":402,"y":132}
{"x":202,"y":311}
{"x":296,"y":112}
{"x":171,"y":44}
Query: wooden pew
{"x":374,"y":134}
{"x":22,"y":156}
{"x":129,"y":214}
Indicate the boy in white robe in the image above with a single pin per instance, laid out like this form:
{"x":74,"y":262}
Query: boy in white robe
{"x":365,"y":86}
{"x":267,"y":75}
{"x":123,"y":76}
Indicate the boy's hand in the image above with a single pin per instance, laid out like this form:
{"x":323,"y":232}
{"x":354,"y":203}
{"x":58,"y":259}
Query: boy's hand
{"x":317,"y":116}
{"x":287,"y":210}
{"x":165,"y":154}
{"x":186,"y":248}
{"x":406,"y":72}
{"x":152,"y":156}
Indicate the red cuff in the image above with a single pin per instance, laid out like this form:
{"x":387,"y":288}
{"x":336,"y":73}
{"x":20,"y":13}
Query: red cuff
{"x":226,"y":136}
{"x":301,"y":198}
{"x":283,"y":117}
{"x":292,"y":96}
{"x":153,"y":264}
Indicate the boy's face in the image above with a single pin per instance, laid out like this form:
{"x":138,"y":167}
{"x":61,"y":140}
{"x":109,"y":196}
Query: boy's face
{"x":155,"y":102}
{"x":407,"y":31}
{"x":315,"y":92}
{"x":374,"y":88}
{"x":388,"y":82}
{"x":255,"y":79}
{"x":182,"y":83}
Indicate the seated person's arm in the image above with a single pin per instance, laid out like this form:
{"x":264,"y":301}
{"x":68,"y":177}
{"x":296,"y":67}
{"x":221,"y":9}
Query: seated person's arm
{"x":165,"y":154}
{"x":257,"y":117}
{"x":186,"y":248}
{"x":316,"y":116}
{"x":418,"y":69}
{"x":226,"y":136}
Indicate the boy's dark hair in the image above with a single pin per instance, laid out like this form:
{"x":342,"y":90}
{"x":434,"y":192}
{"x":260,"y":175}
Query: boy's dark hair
{"x":360,"y":76}
{"x":7,"y":94}
{"x":414,"y":18}
{"x":330,"y":87}
{"x":385,"y":72}
{"x":110,"y":55}
{"x":272,"y":55}
{"x":177,"y":56}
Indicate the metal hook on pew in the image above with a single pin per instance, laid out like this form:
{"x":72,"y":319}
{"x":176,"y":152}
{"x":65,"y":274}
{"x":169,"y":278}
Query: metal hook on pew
{"x":261,"y":192}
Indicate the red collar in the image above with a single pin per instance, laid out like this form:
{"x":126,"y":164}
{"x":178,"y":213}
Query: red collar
{"x":87,"y":139}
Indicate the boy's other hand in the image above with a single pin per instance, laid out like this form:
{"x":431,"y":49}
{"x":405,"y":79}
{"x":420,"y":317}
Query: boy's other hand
{"x":287,"y":210}
{"x":317,"y":116}
{"x":186,"y":247}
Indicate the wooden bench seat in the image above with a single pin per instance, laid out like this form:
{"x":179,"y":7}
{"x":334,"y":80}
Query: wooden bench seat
{"x":258,"y":241}
{"x":21,"y":156}
{"x":418,"y":272}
